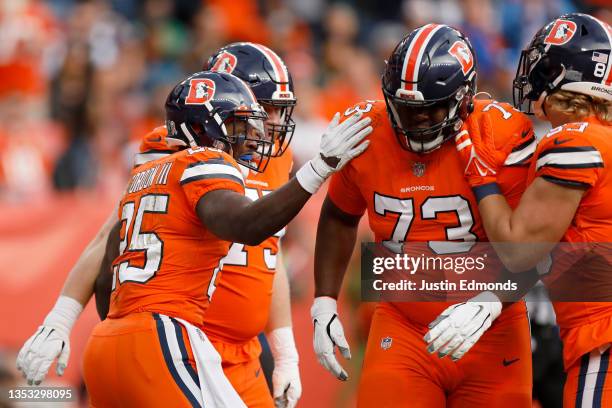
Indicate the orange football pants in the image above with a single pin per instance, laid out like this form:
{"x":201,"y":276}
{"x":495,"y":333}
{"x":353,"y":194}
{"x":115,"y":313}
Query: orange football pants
{"x":399,"y":372}
{"x":140,"y":360}
{"x":249,"y":381}
{"x":589,"y":383}
{"x":243,"y":370}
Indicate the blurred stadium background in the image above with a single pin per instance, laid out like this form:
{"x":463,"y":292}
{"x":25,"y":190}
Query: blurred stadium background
{"x":82,"y":81}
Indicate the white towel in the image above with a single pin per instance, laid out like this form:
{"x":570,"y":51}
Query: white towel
{"x":217,"y":391}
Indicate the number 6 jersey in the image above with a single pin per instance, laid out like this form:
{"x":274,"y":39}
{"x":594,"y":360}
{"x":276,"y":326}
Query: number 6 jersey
{"x":168,"y":260}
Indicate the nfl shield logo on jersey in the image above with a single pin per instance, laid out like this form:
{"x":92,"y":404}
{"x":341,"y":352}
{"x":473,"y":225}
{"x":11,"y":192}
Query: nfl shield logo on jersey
{"x":418,"y":168}
{"x":385,"y":343}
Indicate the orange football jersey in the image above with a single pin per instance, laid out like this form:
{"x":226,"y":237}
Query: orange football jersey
{"x":413,"y":197}
{"x":169,"y":262}
{"x":248,"y":271}
{"x":580,"y":154}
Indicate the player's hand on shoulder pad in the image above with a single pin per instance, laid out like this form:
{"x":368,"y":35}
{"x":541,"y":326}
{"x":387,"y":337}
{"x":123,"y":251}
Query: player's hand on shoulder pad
{"x":476,"y":147}
{"x":459,"y":327}
{"x":50,"y":341}
{"x":286,"y":384}
{"x":340,"y":143}
{"x":328,"y":334}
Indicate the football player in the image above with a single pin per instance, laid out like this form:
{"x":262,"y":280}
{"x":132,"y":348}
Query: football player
{"x":410,"y":182}
{"x":271,"y":83}
{"x":253,"y":279}
{"x":565,"y":78}
{"x":178,"y":218}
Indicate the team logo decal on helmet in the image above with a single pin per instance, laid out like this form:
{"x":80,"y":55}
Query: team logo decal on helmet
{"x":573,"y":53}
{"x":225,"y":62}
{"x":462,"y":52}
{"x":561,"y":32}
{"x":201,"y":90}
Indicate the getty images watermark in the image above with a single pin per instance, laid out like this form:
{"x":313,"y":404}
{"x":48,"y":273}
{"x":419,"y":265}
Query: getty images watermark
{"x":456,"y":271}
{"x":411,"y":265}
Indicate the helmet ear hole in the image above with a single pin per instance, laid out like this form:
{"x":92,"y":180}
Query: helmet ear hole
{"x":221,"y":145}
{"x":470,"y":106}
{"x":467,"y":105}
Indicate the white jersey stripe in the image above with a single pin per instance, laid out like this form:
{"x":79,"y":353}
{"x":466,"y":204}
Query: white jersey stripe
{"x":570,"y":158}
{"x":518,"y":156}
{"x":206,"y":169}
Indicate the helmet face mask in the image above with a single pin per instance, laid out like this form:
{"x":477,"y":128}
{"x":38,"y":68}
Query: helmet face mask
{"x":428,"y":85}
{"x":569,"y":53}
{"x":536,"y":73}
{"x":280,"y":131}
{"x":267,"y":76}
{"x":423,"y":126}
{"x":251,"y":145}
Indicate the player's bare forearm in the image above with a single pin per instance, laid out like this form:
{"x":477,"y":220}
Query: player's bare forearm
{"x":524,"y":281}
{"x":233,"y":217}
{"x":280,"y":306}
{"x":79,"y":284}
{"x":104,"y":281}
{"x":524,"y":236}
{"x":336,"y":236}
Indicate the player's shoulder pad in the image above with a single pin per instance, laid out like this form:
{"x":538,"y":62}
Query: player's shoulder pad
{"x":570,"y":137}
{"x":569,"y":134}
{"x":569,"y":147}
{"x":374,"y":109}
{"x":208,"y":163}
{"x":511,"y":128}
{"x":155,"y":141}
{"x":153,"y":146}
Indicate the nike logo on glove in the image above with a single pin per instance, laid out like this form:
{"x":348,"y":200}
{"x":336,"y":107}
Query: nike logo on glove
{"x":508,"y":362}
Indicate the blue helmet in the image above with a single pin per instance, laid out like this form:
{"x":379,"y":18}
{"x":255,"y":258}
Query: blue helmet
{"x":433,"y":67}
{"x":205,"y":109}
{"x":265,"y":72}
{"x":570,"y":53}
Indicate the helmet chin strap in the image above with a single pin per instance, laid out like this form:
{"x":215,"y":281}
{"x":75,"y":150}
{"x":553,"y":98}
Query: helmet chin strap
{"x":437,"y":142}
{"x":222,"y":145}
{"x":538,"y":106}
{"x":420,"y":147}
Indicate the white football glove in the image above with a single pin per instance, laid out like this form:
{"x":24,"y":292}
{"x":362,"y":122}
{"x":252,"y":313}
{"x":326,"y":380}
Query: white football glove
{"x":50,"y":341}
{"x":460,"y":326}
{"x":286,"y":385}
{"x":340,"y":143}
{"x":328,"y":333}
